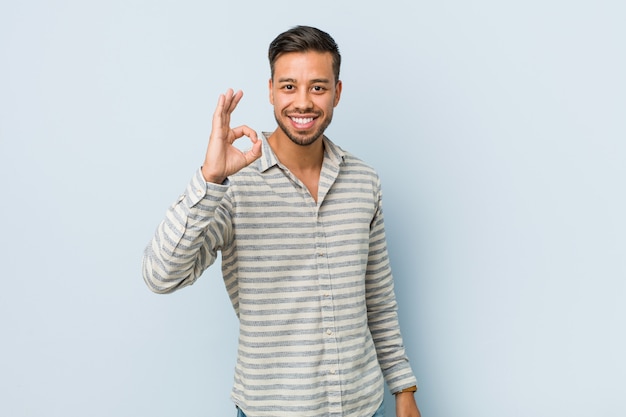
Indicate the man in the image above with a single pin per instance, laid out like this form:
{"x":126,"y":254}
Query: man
{"x":299,"y":223}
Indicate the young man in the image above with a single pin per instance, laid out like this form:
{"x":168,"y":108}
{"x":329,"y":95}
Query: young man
{"x":299,"y":223}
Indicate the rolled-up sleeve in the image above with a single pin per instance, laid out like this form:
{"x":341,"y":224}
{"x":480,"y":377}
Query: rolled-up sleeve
{"x":382,"y":309}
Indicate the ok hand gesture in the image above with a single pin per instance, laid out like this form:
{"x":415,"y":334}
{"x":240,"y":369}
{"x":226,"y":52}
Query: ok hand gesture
{"x":222,"y":158}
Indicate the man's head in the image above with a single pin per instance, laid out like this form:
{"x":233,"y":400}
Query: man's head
{"x":305,"y":85}
{"x":304,"y":39}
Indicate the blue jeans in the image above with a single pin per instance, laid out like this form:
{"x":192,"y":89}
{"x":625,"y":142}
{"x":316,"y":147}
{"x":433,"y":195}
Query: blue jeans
{"x":379,"y":413}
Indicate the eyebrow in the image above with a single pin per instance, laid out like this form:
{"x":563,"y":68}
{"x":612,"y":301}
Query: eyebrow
{"x":313,"y":81}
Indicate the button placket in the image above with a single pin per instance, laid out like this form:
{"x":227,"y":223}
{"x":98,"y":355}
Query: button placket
{"x":331,"y":358}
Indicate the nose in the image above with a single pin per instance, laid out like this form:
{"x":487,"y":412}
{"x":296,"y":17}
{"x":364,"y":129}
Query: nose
{"x":302,"y":101}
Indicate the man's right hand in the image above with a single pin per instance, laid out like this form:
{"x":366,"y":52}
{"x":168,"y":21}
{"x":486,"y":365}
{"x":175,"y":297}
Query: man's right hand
{"x":222,"y":158}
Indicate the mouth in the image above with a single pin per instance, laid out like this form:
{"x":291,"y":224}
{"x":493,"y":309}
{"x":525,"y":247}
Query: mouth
{"x":302,"y":122}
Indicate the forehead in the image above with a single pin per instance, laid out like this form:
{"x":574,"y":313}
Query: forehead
{"x":304,"y":66}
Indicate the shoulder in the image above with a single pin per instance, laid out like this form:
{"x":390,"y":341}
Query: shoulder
{"x":354,"y":162}
{"x":353,"y":166}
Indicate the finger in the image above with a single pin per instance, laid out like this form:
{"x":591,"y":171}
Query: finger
{"x":219,"y":111}
{"x":226,"y":104}
{"x":235,"y":98}
{"x":231,"y":99}
{"x":228,"y":97}
{"x":244,"y":130}
{"x":253,"y":153}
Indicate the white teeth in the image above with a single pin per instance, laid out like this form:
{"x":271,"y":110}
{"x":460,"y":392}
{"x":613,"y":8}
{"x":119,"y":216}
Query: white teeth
{"x":302,"y":120}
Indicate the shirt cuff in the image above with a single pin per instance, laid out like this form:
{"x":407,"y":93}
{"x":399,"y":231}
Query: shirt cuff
{"x":198,"y":190}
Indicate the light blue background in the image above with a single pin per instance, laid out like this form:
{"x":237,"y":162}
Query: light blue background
{"x":498,"y":128}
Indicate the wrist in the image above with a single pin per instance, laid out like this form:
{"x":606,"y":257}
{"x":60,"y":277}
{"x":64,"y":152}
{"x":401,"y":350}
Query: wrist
{"x":209,"y":177}
{"x":409,"y":390}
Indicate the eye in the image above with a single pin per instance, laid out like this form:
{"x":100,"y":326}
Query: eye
{"x":288,"y":87}
{"x":319,"y":88}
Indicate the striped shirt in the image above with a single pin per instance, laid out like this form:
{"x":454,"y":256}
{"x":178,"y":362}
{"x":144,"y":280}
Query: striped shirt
{"x":309,"y":281}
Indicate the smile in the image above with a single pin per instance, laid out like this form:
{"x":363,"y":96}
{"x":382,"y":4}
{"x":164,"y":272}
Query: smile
{"x":302,"y":123}
{"x":302,"y":120}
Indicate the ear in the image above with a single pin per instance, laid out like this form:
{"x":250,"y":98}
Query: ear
{"x":271,"y":84}
{"x":337,"y":92}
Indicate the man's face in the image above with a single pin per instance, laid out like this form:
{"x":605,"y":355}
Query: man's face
{"x":304,"y":93}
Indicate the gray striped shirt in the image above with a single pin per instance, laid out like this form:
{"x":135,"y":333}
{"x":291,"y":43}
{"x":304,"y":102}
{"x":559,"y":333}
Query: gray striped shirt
{"x":310,"y":283}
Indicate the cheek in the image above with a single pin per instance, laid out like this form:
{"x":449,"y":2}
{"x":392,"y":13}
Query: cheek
{"x":329,"y":104}
{"x":281,"y":102}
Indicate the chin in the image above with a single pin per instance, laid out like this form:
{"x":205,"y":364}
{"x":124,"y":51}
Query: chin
{"x":301,"y":139}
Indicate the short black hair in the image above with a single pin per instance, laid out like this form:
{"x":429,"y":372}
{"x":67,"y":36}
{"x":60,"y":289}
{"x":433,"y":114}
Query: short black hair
{"x":303,"y":39}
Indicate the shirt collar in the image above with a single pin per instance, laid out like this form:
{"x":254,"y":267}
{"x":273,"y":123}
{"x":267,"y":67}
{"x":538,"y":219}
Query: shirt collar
{"x":332,"y":153}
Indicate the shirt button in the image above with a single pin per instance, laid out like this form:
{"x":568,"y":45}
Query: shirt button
{"x":199,"y":191}
{"x":329,"y":332}
{"x":333,"y":371}
{"x":320,"y":254}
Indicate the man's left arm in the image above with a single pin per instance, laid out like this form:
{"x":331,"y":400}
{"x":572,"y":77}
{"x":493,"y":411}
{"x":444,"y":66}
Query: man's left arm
{"x":383,"y":320}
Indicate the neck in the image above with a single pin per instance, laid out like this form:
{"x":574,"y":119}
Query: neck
{"x":297,"y":157}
